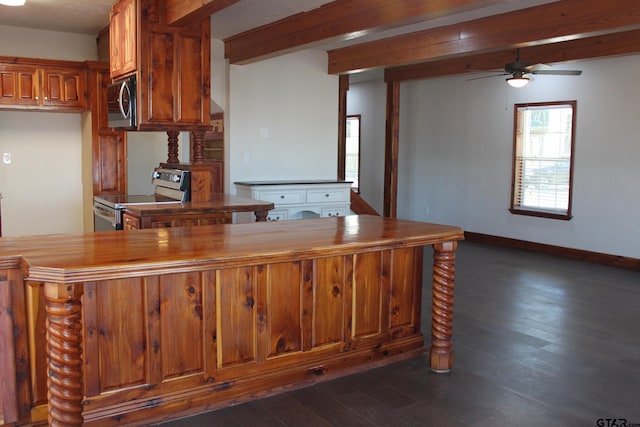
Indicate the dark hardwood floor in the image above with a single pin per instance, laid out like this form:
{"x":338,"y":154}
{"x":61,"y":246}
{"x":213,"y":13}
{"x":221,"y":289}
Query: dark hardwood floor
{"x":538,"y":341}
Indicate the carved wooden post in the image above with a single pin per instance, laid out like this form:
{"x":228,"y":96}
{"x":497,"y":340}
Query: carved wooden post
{"x":261,"y":216}
{"x":173,"y":146}
{"x":197,"y":155}
{"x":441,"y":354}
{"x":64,"y":354}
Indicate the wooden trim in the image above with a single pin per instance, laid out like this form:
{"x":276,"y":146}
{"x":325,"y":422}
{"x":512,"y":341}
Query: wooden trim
{"x":343,"y":88}
{"x":183,"y":12}
{"x":525,"y":27}
{"x":595,"y":257}
{"x":391,"y":150}
{"x":338,"y":20}
{"x":622,"y":43}
{"x":360,"y":206}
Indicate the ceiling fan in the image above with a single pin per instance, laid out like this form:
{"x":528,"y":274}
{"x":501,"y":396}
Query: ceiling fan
{"x":520,"y":72}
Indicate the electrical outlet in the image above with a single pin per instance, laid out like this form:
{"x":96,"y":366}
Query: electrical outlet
{"x":264,"y":132}
{"x":6,"y":158}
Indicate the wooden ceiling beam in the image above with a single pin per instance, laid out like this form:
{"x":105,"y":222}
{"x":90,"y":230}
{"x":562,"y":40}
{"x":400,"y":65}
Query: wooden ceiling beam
{"x":183,"y":12}
{"x":623,"y":43}
{"x":339,"y":20}
{"x":549,"y":23}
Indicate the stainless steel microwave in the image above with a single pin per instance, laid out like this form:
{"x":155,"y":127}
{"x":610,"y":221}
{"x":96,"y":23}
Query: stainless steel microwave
{"x":121,"y":103}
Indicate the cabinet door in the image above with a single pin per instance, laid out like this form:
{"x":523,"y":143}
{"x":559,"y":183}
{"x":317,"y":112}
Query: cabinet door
{"x":130,"y":222}
{"x":63,"y":88}
{"x":18,"y":85}
{"x":109,"y":163}
{"x":123,"y":38}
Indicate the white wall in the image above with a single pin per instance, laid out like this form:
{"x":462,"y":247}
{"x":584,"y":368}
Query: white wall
{"x":45,"y":150}
{"x":145,"y":151}
{"x":28,"y":43}
{"x":294,"y":98}
{"x":45,"y":147}
{"x":365,"y":99}
{"x":456,"y":146}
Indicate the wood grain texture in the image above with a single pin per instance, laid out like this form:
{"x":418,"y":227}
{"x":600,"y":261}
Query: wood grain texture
{"x":222,"y":315}
{"x":536,"y":25}
{"x":337,"y":20}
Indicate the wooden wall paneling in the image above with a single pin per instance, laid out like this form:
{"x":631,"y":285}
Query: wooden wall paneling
{"x":282,"y":291}
{"x":91,"y":341}
{"x":235,"y":316}
{"x":36,"y":322}
{"x":181,"y":325}
{"x":406,"y":279}
{"x":367,"y":294}
{"x":329,"y":299}
{"x":122,"y":333}
{"x":210,"y":324}
{"x":9,"y":397}
{"x":154,"y":321}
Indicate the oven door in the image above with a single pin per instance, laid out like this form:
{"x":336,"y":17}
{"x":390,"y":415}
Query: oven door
{"x":106,"y":218}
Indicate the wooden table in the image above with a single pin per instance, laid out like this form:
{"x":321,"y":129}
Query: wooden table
{"x":148,"y":325}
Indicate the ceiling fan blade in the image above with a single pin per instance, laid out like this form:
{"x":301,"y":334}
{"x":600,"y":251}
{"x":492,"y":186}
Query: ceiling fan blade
{"x":557,"y":72}
{"x":535,"y":67}
{"x":486,"y":77}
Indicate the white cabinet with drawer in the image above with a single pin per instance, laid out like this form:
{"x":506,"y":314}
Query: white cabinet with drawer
{"x":299,"y":199}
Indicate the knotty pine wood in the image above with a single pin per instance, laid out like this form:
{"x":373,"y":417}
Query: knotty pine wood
{"x":181,"y":12}
{"x":391,"y":150}
{"x":536,"y":25}
{"x":200,"y":318}
{"x":625,"y":42}
{"x":334,"y":20}
{"x":541,"y":340}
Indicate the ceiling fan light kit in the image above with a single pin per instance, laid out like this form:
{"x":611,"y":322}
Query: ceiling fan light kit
{"x":12,"y":2}
{"x":517,"y":80}
{"x":519,"y":72}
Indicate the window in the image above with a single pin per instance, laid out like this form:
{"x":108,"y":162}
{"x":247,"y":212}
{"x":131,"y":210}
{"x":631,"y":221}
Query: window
{"x":352,"y":152}
{"x":543,"y":159}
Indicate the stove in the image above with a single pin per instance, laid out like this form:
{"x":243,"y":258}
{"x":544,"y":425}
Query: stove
{"x":170,"y":186}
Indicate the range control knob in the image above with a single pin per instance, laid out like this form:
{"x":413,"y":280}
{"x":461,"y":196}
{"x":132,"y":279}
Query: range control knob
{"x":174,"y":178}
{"x":156,"y":175}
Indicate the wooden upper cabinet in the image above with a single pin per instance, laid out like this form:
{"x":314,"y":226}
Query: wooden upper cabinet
{"x":123,"y":38}
{"x":18,"y":85}
{"x":171,"y":64}
{"x":42,"y":87}
{"x":63,"y":88}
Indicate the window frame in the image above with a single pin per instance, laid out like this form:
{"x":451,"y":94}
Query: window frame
{"x":359,"y":117}
{"x":519,"y":209}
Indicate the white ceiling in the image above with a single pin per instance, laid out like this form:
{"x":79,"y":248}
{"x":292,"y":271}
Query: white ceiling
{"x":91,"y":16}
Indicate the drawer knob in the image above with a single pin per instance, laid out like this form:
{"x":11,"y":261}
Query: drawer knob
{"x":282,"y":196}
{"x":326,"y":195}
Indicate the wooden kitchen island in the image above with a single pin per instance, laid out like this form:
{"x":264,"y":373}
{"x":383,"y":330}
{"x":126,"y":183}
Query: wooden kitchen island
{"x":148,"y":325}
{"x":219,"y":209}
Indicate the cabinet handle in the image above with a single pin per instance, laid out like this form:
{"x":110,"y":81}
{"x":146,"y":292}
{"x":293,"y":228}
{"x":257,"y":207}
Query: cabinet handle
{"x":282,"y":196}
{"x":326,"y":195}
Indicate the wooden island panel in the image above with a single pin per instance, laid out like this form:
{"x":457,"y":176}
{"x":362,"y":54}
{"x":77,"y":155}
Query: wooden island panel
{"x":170,"y":322}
